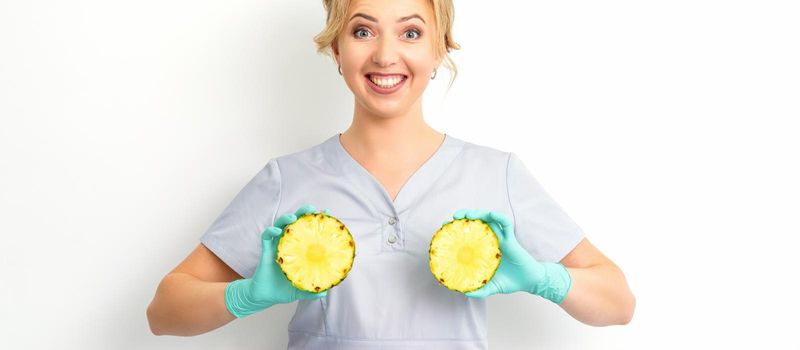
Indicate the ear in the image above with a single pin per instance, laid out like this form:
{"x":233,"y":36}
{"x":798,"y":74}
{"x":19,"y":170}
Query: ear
{"x":438,"y":62}
{"x":335,"y":49}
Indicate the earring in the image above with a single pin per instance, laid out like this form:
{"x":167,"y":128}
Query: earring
{"x":340,"y":70}
{"x":434,"y":74}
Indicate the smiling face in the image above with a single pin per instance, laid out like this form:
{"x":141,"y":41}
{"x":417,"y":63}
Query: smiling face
{"x":387,"y":54}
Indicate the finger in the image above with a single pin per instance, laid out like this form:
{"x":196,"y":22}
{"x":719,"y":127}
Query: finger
{"x":269,"y":252}
{"x":271,"y":232}
{"x":505,"y":223}
{"x":285,"y":220}
{"x":460,"y":213}
{"x":478,"y":215}
{"x":308,"y":208}
{"x":483,"y":292}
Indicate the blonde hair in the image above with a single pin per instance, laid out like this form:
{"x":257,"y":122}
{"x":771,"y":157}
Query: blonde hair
{"x":443,"y":17}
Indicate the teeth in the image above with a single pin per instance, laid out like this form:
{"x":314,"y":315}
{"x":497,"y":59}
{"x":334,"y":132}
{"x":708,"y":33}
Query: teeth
{"x":386,"y":82}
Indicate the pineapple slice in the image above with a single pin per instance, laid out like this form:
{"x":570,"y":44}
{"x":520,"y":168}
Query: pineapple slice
{"x":464,"y":255}
{"x":316,"y":252}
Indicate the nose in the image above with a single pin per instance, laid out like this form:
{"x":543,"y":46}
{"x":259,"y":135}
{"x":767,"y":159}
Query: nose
{"x":385,"y":54}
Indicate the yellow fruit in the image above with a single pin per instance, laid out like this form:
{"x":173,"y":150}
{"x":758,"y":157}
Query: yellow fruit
{"x":464,"y":255}
{"x":316,"y":252}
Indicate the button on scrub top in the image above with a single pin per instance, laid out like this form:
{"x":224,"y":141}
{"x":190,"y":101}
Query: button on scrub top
{"x":390,"y":299}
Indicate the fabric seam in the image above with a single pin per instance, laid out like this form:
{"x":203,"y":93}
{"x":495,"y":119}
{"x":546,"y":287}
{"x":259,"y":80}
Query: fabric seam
{"x":386,"y":340}
{"x":580,"y":237}
{"x":280,"y":193}
{"x":274,"y":215}
{"x":508,"y":193}
{"x":218,"y":248}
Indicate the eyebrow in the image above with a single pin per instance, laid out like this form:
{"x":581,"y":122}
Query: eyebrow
{"x":373,"y":19}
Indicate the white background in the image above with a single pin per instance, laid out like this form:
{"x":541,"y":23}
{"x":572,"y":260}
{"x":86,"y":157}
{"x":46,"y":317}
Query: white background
{"x":667,"y":131}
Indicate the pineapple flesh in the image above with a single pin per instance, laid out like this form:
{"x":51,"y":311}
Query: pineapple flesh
{"x":464,"y":255}
{"x":316,"y":252}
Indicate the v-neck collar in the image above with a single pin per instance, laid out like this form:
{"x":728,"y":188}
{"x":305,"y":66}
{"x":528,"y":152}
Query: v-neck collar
{"x":414,"y":188}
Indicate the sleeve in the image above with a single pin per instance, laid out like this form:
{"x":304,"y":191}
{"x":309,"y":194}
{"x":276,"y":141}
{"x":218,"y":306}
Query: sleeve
{"x":540,"y":225}
{"x":235,"y":235}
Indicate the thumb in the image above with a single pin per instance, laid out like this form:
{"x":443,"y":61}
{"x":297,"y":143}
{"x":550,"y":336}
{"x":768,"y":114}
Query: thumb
{"x":271,"y":232}
{"x":269,"y":241}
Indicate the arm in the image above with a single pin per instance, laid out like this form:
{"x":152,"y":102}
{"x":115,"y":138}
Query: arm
{"x":203,"y":293}
{"x":585,"y":283}
{"x":190,"y":300}
{"x":599,"y":295}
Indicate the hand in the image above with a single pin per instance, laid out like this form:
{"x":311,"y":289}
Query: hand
{"x":269,"y":285}
{"x":518,"y":270}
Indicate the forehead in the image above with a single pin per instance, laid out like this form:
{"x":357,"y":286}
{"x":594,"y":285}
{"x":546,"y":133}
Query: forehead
{"x":392,"y":9}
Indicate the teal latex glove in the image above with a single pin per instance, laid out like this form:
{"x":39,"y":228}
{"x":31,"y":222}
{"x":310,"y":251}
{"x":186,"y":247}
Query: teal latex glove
{"x":269,"y":285}
{"x":518,"y":270}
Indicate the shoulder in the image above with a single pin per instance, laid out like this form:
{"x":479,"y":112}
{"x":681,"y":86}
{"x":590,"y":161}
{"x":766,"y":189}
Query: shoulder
{"x":318,"y":156}
{"x":484,"y":153}
{"x":510,"y":162}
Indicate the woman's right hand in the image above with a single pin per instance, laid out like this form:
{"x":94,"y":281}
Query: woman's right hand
{"x":269,"y":285}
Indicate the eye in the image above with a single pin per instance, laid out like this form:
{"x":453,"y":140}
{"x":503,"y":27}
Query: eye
{"x":361,"y":33}
{"x":412,"y":34}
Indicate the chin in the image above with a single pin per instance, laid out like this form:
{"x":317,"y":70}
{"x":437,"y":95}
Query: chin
{"x":384,"y":108}
{"x":388,"y":110}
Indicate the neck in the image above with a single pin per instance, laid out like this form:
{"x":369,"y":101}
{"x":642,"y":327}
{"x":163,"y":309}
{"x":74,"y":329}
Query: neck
{"x":381,"y":137}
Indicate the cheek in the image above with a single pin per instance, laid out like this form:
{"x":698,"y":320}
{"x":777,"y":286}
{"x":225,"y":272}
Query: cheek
{"x":351,"y":56}
{"x":420,"y":62}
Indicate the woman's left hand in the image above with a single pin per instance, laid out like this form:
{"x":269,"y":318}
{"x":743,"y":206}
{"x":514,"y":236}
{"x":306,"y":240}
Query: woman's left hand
{"x":518,"y":270}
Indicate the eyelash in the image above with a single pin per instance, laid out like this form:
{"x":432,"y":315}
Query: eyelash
{"x":413,"y":30}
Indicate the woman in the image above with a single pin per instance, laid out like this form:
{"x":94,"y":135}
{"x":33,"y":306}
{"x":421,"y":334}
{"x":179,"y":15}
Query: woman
{"x":393,"y":180}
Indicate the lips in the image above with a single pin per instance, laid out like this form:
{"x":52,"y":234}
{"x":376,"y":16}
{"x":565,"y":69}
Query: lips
{"x":385,"y":84}
{"x":386,"y":81}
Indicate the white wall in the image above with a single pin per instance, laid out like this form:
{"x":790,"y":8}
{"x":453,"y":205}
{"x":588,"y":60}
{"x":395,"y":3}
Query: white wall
{"x":665,"y":129}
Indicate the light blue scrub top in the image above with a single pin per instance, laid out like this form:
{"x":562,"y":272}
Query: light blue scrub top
{"x":390,"y":299}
